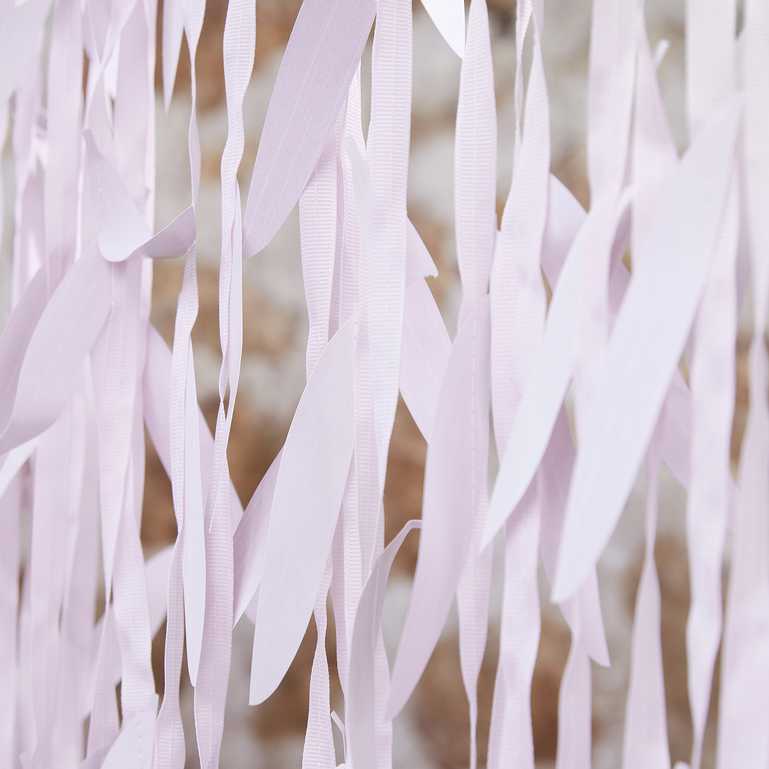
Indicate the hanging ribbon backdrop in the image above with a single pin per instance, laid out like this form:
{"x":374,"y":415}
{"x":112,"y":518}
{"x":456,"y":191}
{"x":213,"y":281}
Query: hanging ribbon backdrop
{"x":564,"y":364}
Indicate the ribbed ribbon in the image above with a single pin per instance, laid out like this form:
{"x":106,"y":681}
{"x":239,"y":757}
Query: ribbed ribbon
{"x":318,"y":228}
{"x":82,"y":373}
{"x":186,"y":587}
{"x":711,"y":68}
{"x":517,"y":323}
{"x":216,"y":646}
{"x":456,"y":472}
{"x":645,"y":742}
{"x":475,"y":158}
{"x":384,"y":248}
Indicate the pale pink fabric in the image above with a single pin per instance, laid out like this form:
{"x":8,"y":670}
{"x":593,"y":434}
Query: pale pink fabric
{"x":82,"y":372}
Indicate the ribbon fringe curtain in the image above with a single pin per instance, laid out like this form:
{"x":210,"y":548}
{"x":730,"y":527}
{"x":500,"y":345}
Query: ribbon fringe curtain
{"x":583,"y":371}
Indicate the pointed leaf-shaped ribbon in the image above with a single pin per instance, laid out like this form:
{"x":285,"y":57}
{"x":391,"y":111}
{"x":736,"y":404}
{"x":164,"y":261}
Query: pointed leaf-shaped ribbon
{"x":133,"y":747}
{"x":308,"y":495}
{"x":15,"y":339}
{"x":123,"y":232}
{"x":447,"y":508}
{"x":583,"y":612}
{"x":175,"y":239}
{"x":565,"y":217}
{"x":425,"y":351}
{"x":173,"y":27}
{"x":318,"y":65}
{"x":249,"y":541}
{"x":53,"y":363}
{"x":426,"y":348}
{"x":361,"y":729}
{"x":449,"y":19}
{"x":644,"y":347}
{"x":553,"y":367}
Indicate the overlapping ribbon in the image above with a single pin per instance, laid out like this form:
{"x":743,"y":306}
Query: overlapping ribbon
{"x":83,"y":372}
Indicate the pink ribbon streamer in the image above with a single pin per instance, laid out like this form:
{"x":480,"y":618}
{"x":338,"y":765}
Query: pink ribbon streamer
{"x":82,"y":373}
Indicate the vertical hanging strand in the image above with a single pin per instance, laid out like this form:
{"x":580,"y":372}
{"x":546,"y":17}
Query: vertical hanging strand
{"x":388,"y":153}
{"x":82,"y":584}
{"x":186,"y":480}
{"x":133,"y":141}
{"x":213,"y":674}
{"x":117,"y":368}
{"x":346,"y":585}
{"x":27,"y":246}
{"x":184,"y":393}
{"x":743,"y":738}
{"x":645,"y":743}
{"x":388,"y":146}
{"x":52,"y":481}
{"x":475,"y":158}
{"x":104,"y":718}
{"x":456,"y":469}
{"x":710,"y":50}
{"x":610,"y":90}
{"x":63,"y":119}
{"x":318,"y":228}
{"x":364,"y":496}
{"x":25,"y":156}
{"x":66,"y":733}
{"x":610,"y":95}
{"x":60,"y":219}
{"x":517,"y":324}
{"x":56,"y":456}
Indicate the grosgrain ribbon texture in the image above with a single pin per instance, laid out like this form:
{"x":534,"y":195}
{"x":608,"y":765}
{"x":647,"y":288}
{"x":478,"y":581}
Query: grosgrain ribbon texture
{"x":564,"y":361}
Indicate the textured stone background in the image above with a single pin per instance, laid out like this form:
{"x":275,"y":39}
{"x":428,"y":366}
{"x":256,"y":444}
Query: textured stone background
{"x":432,"y":732}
